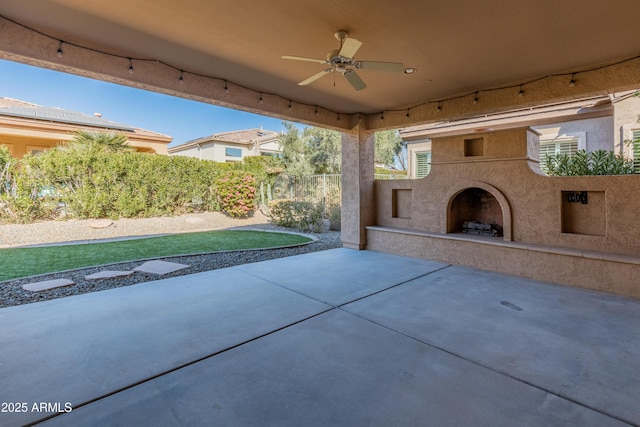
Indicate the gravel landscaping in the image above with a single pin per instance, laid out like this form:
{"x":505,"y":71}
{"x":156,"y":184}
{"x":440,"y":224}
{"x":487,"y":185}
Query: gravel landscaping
{"x":12,"y":293}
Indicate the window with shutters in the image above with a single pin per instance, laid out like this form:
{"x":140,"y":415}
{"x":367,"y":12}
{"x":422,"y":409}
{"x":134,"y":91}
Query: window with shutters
{"x":636,"y":151}
{"x":564,"y":145}
{"x":423,"y":164}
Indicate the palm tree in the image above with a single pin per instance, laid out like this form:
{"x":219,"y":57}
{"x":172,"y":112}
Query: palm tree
{"x":110,"y":141}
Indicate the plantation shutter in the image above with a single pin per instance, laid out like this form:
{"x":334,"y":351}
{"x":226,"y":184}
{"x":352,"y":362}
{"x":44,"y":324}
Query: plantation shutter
{"x":423,"y":164}
{"x":636,"y":151}
{"x":567,"y":146}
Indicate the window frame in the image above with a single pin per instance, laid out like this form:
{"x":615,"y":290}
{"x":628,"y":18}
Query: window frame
{"x":635,"y":149}
{"x":427,"y":163}
{"x":227,"y":151}
{"x":559,"y":139}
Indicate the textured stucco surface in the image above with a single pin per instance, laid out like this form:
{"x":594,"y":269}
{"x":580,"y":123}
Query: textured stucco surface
{"x":357,"y":186}
{"x":580,"y":269}
{"x":509,"y":171}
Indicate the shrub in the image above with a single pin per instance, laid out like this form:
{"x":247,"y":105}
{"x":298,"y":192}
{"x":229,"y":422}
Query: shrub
{"x":306,"y":216}
{"x":93,"y":181}
{"x":97,"y":176}
{"x":20,"y":193}
{"x":600,"y":162}
{"x":6,"y":167}
{"x":236,"y":193}
{"x":264,"y":168}
{"x":5,"y":156}
{"x":335,"y":218}
{"x":396,"y":173}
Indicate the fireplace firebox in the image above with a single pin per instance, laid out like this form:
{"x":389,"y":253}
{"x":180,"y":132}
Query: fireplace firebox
{"x":475,"y":211}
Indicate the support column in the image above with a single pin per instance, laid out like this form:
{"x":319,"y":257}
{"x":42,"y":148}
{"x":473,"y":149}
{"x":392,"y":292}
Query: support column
{"x":358,"y":205}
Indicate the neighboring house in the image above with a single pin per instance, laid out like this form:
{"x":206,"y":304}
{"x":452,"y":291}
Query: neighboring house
{"x":29,"y":128}
{"x":231,"y":146}
{"x":606,"y":122}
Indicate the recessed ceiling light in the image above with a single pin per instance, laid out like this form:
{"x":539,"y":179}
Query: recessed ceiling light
{"x":409,"y":70}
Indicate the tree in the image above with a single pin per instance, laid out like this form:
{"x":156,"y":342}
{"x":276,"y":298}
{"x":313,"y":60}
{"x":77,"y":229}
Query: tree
{"x":319,"y":150}
{"x":111,"y":141}
{"x":316,"y":151}
{"x":323,"y":149}
{"x":389,"y":147}
{"x":401,"y":157}
{"x":293,"y":152}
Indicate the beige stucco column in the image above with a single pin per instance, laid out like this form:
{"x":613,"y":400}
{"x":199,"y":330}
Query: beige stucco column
{"x":358,"y":207}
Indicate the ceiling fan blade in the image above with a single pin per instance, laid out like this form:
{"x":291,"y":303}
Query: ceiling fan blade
{"x":315,"y":77}
{"x":300,"y":58}
{"x":349,"y":47}
{"x":354,"y":79}
{"x":380,"y":66}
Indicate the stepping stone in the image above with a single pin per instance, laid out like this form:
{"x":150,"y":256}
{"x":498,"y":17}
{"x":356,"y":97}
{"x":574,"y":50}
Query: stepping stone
{"x":101,"y":223}
{"x":46,"y":285}
{"x":160,"y":267}
{"x":108,"y":274}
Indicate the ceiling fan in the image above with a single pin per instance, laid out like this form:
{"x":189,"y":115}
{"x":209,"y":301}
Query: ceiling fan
{"x":342,"y":61}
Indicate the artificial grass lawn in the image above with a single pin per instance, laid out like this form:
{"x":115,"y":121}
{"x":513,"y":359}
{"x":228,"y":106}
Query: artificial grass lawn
{"x":22,"y":262}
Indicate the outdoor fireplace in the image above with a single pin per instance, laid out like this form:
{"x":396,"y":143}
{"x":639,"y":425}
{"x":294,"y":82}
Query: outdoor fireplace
{"x":481,"y":185}
{"x":475,"y":211}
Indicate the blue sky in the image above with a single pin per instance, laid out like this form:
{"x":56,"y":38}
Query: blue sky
{"x":182,"y":119}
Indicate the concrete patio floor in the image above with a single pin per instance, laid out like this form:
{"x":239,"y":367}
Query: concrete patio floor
{"x":339,"y":337}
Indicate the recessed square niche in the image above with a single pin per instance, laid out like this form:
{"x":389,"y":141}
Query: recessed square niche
{"x":583,"y":212}
{"x":401,"y":203}
{"x":474,"y":147}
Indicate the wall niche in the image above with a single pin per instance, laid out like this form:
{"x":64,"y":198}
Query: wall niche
{"x":583,"y":212}
{"x":474,"y":147}
{"x":401,"y":203}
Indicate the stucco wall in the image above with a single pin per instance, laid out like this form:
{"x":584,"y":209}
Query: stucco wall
{"x":535,"y":200}
{"x":599,"y":132}
{"x":19,"y":146}
{"x":626,"y":120}
{"x":537,"y":209}
{"x":214,"y":151}
{"x":413,"y":148}
{"x":270,"y":147}
{"x":583,"y":270}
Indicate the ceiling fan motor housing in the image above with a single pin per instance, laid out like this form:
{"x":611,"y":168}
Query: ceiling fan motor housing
{"x":334,"y":59}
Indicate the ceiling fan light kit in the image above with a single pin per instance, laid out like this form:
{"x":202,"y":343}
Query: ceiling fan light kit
{"x":341,"y":61}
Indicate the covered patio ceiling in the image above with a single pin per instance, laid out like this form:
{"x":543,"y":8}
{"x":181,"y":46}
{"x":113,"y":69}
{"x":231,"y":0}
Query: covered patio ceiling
{"x":471,"y":58}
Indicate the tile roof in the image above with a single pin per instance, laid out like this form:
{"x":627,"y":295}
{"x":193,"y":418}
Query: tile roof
{"x":246,"y":136}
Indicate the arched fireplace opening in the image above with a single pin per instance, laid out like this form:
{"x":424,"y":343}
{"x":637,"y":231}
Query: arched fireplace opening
{"x":475,"y":211}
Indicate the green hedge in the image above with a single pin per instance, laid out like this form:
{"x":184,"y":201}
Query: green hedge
{"x":599,"y":162}
{"x":91,"y":181}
